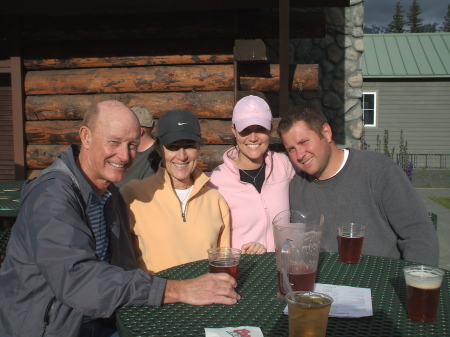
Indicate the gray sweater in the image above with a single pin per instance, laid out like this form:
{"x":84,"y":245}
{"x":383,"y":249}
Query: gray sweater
{"x":372,"y":190}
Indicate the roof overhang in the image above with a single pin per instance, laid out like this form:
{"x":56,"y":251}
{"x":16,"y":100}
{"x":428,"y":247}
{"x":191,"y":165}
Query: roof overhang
{"x":82,"y":7}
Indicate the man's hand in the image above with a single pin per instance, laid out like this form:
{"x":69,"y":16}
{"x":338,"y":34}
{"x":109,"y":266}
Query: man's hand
{"x":206,"y":289}
{"x":253,"y":248}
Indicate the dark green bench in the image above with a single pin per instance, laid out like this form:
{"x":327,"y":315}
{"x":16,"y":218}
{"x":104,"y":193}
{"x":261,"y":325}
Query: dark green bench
{"x":433,"y":217}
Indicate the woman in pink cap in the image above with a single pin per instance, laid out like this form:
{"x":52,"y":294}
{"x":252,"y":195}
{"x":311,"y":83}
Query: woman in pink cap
{"x":253,"y":180}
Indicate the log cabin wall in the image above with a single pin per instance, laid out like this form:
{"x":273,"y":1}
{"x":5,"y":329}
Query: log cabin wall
{"x":199,"y":62}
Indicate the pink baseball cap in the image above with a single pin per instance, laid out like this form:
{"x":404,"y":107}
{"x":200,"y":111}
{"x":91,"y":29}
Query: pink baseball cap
{"x":251,"y":110}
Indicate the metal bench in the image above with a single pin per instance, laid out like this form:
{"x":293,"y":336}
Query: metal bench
{"x":433,"y":217}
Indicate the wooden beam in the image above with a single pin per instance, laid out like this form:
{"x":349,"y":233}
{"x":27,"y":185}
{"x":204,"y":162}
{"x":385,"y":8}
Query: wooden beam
{"x":151,"y":47}
{"x":41,"y":156}
{"x":244,"y":24}
{"x":214,"y":131}
{"x":126,"y":61}
{"x":209,"y":104}
{"x":158,"y":78}
{"x":300,"y":75}
{"x":100,"y":7}
{"x":284,"y":41}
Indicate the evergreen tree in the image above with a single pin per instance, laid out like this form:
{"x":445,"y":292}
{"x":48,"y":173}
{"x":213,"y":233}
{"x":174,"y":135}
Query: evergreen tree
{"x":446,"y":27}
{"x":414,"y":22}
{"x":431,"y":28}
{"x":396,"y":26}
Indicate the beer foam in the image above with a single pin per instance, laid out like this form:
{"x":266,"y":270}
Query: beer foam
{"x":424,"y":285}
{"x":423,"y":280}
{"x":351,"y":235}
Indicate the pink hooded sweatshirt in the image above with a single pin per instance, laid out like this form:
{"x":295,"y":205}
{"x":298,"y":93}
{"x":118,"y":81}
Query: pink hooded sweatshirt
{"x":252,"y":213}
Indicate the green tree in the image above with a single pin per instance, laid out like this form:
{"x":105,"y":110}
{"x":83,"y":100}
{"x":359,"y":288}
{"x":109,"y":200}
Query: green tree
{"x":432,"y":28}
{"x":414,"y":22}
{"x":396,"y":26}
{"x":446,"y":27}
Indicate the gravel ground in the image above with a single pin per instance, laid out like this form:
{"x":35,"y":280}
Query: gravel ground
{"x":431,"y":178}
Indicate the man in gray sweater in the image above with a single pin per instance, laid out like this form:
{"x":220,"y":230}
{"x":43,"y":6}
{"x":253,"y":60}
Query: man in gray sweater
{"x":358,"y":186}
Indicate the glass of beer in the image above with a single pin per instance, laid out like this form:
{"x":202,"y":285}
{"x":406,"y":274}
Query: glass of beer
{"x":351,"y":238}
{"x":224,"y":260}
{"x":423,"y":286}
{"x":308,"y":313}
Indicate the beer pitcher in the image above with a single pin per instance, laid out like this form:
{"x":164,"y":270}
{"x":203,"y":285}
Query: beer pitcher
{"x":300,"y":233}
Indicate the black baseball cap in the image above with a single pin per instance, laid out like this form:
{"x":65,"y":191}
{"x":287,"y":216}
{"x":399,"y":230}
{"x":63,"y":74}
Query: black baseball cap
{"x":176,"y":125}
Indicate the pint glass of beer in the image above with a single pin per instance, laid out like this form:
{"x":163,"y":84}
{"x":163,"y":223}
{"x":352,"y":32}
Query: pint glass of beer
{"x":351,"y":238}
{"x":423,"y":286}
{"x":224,"y":260}
{"x":308,"y":313}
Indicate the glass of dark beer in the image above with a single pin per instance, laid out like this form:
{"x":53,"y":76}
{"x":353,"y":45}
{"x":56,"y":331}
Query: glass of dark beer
{"x":351,"y":238}
{"x":423,"y":286}
{"x":224,"y":260}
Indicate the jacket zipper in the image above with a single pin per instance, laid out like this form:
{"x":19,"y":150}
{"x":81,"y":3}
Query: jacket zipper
{"x":48,"y":313}
{"x":183,"y":213}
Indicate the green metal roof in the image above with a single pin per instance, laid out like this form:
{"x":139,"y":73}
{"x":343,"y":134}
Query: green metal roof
{"x":406,"y":55}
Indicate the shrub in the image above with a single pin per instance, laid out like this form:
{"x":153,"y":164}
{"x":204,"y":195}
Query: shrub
{"x":403,"y":157}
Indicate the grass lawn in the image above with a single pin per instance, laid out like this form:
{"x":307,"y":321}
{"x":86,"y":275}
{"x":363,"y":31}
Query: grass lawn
{"x":443,"y":201}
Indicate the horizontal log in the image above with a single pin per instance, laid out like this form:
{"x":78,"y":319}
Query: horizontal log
{"x":214,"y":131}
{"x":159,"y":78}
{"x":54,"y":132}
{"x":302,"y":77}
{"x":240,"y":24}
{"x":135,"y":79}
{"x":209,"y":104}
{"x":38,"y":157}
{"x":125,"y":61}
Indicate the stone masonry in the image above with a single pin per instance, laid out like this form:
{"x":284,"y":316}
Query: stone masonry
{"x":339,"y":55}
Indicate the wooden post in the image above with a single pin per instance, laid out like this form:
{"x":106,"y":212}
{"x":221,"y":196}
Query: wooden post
{"x":17,"y":99}
{"x":284,"y":56}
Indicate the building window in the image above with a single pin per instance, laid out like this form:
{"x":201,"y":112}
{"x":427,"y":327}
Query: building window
{"x":369,"y":108}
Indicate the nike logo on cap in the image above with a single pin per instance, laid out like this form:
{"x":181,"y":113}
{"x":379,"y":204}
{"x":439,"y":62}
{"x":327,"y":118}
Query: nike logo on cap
{"x":179,"y":123}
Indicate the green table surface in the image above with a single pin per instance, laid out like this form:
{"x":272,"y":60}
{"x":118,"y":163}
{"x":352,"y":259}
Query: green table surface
{"x":257,"y":284}
{"x":4,"y":237}
{"x":10,"y":198}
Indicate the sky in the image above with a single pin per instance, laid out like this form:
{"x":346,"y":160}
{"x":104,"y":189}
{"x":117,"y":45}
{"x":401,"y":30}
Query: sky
{"x":380,"y":12}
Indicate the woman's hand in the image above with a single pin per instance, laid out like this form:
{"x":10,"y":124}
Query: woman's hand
{"x":253,"y":248}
